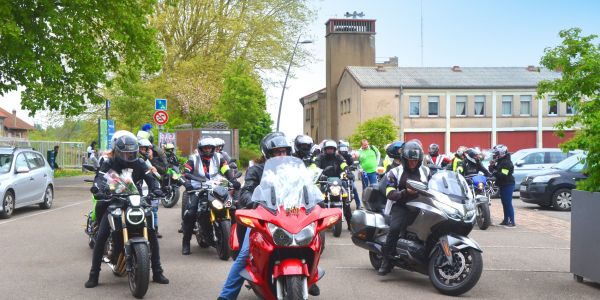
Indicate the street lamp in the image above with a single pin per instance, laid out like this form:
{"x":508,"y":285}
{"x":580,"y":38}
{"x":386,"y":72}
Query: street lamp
{"x":288,"y":74}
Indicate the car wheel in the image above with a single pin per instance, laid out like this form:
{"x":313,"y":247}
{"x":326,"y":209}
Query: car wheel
{"x":8,"y":205}
{"x":48,"y":198}
{"x":561,"y":199}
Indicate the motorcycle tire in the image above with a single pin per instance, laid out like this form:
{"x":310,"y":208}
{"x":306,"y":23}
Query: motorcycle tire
{"x":200,"y":240}
{"x":293,"y":287}
{"x":139,"y":276}
{"x":467,"y":283}
{"x":337,"y":229}
{"x":169,"y":202}
{"x":484,"y":219}
{"x":322,"y":234}
{"x":376,"y":259}
{"x":91,"y":242}
{"x":222,"y":232}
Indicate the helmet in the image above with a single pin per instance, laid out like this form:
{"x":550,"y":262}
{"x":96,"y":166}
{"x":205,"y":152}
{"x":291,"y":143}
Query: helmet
{"x":204,"y":143}
{"x":303,"y":145}
{"x":412,"y":151}
{"x":219,"y":142}
{"x":394,"y":150}
{"x":144,"y":143}
{"x":417,"y":141}
{"x":344,"y":146}
{"x":434,"y":149}
{"x":472,"y":155}
{"x":315,"y":150}
{"x":272,"y":141}
{"x":460,"y":151}
{"x":125,"y":147}
{"x":500,"y":150}
{"x":169,"y":147}
{"x":329,"y":144}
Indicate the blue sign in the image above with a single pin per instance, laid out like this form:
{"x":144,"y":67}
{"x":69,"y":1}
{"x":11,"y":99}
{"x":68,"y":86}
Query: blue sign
{"x":110,"y":132}
{"x":160,"y":104}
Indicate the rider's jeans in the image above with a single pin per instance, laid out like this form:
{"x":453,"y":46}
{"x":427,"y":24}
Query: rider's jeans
{"x":233,"y":284}
{"x":155,"y":203}
{"x":368,"y":179}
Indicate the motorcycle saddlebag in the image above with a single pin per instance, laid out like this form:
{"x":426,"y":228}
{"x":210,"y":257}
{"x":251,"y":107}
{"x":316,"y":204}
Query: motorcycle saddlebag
{"x":367,"y":224}
{"x":374,"y":199}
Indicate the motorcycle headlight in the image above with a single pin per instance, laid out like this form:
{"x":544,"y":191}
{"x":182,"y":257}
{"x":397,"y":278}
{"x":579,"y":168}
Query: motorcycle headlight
{"x":135,"y":216}
{"x":450,"y":211}
{"x":280,"y":236}
{"x":544,"y":178}
{"x":217,"y":204}
{"x":480,"y":186}
{"x":335,"y":190}
{"x":305,"y":236}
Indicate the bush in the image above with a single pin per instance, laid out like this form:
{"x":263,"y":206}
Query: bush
{"x":246,"y":155}
{"x":69,"y":173}
{"x":378,"y":131}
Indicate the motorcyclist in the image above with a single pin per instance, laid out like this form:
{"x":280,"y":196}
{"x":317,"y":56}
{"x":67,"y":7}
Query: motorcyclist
{"x":272,"y":145}
{"x":458,"y":158}
{"x":172,"y":160}
{"x":303,"y":145}
{"x":472,"y":164}
{"x":201,"y":167}
{"x":394,"y":152}
{"x":159,"y":159}
{"x":329,"y":158}
{"x":124,"y":155}
{"x":344,"y":151}
{"x":147,"y":155}
{"x":399,"y":194}
{"x":219,"y":144}
{"x":435,"y":158}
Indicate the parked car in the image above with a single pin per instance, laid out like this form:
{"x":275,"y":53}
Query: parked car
{"x":529,"y":161}
{"x":553,"y":187}
{"x":25,"y":179}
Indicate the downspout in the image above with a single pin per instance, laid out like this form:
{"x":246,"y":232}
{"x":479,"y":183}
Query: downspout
{"x":401,"y":113}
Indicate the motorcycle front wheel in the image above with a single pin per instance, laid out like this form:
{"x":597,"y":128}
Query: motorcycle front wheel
{"x":293,"y":287}
{"x":337,"y":229}
{"x":139,"y":276}
{"x":460,"y":276}
{"x":171,"y":199}
{"x":222,"y":234}
{"x":484,"y":219}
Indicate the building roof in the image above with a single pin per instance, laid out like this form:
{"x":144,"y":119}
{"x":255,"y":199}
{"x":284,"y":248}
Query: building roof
{"x":450,"y":78}
{"x":314,"y":96}
{"x":9,"y":121}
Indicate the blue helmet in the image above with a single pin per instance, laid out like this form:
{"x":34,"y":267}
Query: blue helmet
{"x":394,"y":150}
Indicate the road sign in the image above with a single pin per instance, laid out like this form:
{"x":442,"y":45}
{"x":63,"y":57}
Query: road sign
{"x":161,"y":117}
{"x":160,"y":104}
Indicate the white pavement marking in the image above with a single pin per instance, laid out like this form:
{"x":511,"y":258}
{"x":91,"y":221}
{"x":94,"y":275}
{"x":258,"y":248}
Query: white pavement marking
{"x":43,"y":212}
{"x":501,"y":246}
{"x":485,"y":269}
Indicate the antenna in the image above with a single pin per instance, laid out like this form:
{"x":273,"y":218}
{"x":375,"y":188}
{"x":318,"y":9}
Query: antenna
{"x":421,"y":33}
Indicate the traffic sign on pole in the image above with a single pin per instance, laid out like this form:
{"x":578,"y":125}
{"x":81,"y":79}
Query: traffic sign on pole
{"x":160,"y":104}
{"x":161,"y":117}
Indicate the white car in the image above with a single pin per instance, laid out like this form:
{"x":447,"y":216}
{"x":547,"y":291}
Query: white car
{"x":25,"y":179}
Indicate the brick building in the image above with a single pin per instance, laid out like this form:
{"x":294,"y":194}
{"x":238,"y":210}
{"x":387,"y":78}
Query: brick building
{"x":13,"y":126}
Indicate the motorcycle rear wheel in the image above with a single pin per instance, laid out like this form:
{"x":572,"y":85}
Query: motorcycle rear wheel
{"x":484,"y":219}
{"x":172,"y":198}
{"x":445,"y":278}
{"x":139,"y":277}
{"x":222,"y":235}
{"x":293,"y":287}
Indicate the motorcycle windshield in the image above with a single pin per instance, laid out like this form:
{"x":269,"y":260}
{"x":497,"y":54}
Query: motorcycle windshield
{"x":286,"y":183}
{"x":451,"y":184}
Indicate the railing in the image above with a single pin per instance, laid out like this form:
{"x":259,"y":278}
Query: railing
{"x":70,"y":154}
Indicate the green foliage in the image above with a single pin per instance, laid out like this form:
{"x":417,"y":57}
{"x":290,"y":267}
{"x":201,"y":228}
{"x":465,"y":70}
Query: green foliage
{"x":578,"y":58}
{"x":378,"y":131}
{"x":68,"y":173}
{"x":132,"y":104}
{"x":62,"y":51}
{"x":248,"y":154}
{"x":70,"y":131}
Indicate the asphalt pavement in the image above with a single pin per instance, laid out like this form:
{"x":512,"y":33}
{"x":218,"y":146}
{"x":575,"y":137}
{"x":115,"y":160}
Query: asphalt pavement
{"x":44,"y":255}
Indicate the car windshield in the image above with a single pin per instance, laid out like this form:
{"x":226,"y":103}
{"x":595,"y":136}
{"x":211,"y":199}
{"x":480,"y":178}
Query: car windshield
{"x":5,"y":162}
{"x":518,"y":155}
{"x":451,"y":184}
{"x":568,"y":162}
{"x":287,"y":183}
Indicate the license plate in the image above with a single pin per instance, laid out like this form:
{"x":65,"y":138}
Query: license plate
{"x":523,"y":188}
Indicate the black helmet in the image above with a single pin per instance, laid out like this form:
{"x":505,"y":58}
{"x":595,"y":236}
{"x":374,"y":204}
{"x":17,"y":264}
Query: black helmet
{"x":329,"y":144}
{"x":302,"y":145}
{"x":412,"y":151}
{"x":272,"y":141}
{"x":472,"y":155}
{"x":125,"y":147}
{"x":394,"y":150}
{"x":204,"y":143}
{"x":434,"y":149}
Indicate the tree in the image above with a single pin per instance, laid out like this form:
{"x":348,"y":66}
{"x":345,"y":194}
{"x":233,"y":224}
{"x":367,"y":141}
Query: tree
{"x":378,"y":131}
{"x":132,"y":104}
{"x":243,"y":103}
{"x":578,"y":58}
{"x":62,"y":51}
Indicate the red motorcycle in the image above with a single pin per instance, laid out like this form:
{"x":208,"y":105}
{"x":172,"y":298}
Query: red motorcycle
{"x":285,"y":245}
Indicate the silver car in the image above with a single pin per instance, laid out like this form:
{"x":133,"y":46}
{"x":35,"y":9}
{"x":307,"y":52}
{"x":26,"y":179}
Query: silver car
{"x":25,"y":179}
{"x":528,"y":161}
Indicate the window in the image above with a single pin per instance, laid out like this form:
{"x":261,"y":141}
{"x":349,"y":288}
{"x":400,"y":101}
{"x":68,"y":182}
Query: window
{"x":525,"y":105}
{"x":479,"y":105}
{"x":349,"y":106}
{"x":461,"y":105}
{"x":507,"y":105}
{"x":578,"y":167}
{"x":534,"y":158}
{"x":312,"y":117}
{"x":33,"y":160}
{"x":570,"y":110}
{"x":21,"y":162}
{"x":414,"y":107}
{"x":552,"y":107}
{"x":555,"y":157}
{"x":5,"y":162}
{"x":345,"y":106}
{"x":434,"y":105}
{"x":40,"y":159}
{"x":307,"y":114}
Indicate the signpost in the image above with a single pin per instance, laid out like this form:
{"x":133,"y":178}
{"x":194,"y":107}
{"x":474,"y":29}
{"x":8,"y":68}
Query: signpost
{"x":160,"y":104}
{"x":161,"y":117}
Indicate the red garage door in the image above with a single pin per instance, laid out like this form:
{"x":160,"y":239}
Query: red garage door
{"x":470,"y":139}
{"x":550,"y":140}
{"x":516,"y":140}
{"x":427,"y":138}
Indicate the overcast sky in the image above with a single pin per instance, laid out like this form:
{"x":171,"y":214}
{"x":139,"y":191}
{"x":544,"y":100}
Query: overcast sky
{"x":468,"y":33}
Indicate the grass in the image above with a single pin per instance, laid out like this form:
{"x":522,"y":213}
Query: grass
{"x":67,"y":173}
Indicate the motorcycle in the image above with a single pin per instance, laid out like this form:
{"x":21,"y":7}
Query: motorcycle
{"x":170,"y":186}
{"x":335,"y":196}
{"x":129,"y":218}
{"x":91,"y":224}
{"x":436,"y":243}
{"x":482,"y":200}
{"x":285,"y":240}
{"x":215,"y":201}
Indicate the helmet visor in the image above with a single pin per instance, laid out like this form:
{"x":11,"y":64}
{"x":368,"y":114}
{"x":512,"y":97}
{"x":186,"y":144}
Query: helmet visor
{"x":128,"y":156}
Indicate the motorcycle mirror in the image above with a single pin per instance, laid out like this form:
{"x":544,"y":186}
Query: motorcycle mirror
{"x":273,"y":196}
{"x":238,"y":174}
{"x":416,"y":185}
{"x":519,"y":163}
{"x":89,"y":167}
{"x":233,"y":160}
{"x":94,"y":190}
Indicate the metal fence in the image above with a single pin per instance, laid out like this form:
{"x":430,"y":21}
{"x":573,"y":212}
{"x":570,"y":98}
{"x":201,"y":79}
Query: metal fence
{"x":70,"y":154}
